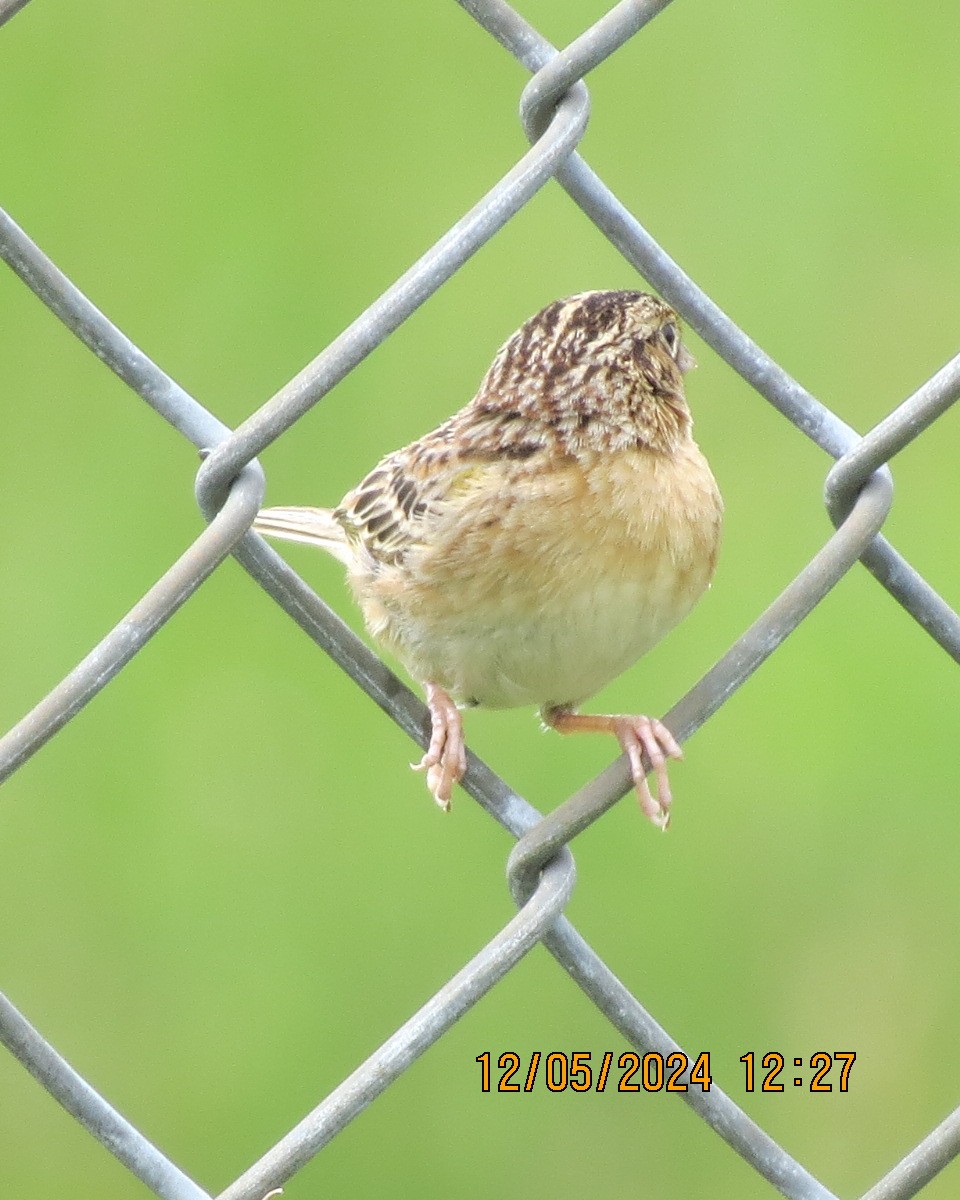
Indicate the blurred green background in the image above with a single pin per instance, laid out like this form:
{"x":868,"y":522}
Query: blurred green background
{"x":220,"y":885}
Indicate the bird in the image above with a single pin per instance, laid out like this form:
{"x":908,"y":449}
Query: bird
{"x":541,"y":540}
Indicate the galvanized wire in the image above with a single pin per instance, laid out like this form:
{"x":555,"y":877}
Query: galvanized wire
{"x":54,"y":1073}
{"x":9,"y":8}
{"x":229,"y":486}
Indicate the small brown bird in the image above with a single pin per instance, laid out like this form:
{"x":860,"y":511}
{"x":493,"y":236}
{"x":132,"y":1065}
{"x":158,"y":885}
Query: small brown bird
{"x":544,"y":537}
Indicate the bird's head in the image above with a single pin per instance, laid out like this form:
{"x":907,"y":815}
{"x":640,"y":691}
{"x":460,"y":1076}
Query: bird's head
{"x":602,"y":370}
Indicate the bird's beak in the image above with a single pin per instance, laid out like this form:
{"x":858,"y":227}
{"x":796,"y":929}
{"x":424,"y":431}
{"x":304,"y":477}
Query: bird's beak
{"x":685,"y":360}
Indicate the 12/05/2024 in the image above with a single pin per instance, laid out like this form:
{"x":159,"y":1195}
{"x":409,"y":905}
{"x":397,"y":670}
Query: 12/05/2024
{"x":577,"y":1071}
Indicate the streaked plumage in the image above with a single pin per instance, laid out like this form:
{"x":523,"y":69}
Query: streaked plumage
{"x":537,"y":543}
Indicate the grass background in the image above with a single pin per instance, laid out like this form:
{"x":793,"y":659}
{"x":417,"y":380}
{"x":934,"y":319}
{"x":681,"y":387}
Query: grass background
{"x":220,"y":886}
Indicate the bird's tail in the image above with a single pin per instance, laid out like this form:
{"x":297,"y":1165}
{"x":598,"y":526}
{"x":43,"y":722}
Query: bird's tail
{"x":315,"y":526}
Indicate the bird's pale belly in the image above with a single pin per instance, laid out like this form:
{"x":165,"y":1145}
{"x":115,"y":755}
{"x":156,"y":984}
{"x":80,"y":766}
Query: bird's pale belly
{"x":569,"y":649}
{"x":547,"y":608}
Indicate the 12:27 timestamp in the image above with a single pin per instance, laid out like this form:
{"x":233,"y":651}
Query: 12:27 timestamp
{"x":823,"y":1068}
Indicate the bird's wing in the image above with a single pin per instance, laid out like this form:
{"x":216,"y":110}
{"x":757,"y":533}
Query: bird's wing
{"x":394,"y":508}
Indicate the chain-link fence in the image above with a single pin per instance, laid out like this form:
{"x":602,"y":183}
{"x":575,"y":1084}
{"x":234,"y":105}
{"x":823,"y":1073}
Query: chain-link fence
{"x":230,"y":487}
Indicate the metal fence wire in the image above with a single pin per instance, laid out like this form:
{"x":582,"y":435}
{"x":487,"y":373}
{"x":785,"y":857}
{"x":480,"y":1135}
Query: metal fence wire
{"x":230,"y":487}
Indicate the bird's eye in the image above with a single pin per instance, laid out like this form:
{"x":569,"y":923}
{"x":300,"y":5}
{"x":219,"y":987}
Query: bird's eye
{"x":671,"y":335}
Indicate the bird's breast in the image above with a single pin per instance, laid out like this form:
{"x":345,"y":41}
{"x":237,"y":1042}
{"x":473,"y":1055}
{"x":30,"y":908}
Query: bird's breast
{"x":544,"y":582}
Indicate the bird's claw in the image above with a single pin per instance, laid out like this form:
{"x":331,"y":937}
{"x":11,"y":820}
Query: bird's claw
{"x":639,"y":734}
{"x":636,"y":735}
{"x":445,"y":760}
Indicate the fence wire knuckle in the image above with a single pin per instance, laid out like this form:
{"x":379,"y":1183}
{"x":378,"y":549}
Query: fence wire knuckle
{"x":229,"y":486}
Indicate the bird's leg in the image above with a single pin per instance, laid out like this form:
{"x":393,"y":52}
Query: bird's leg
{"x":635,"y":735}
{"x":446,"y":758}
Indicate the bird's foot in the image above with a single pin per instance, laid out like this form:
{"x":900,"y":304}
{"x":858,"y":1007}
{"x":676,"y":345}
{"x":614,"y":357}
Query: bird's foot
{"x":636,"y":735}
{"x":446,"y":758}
